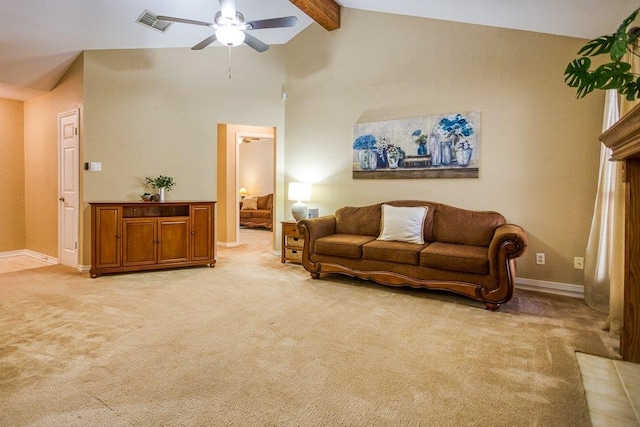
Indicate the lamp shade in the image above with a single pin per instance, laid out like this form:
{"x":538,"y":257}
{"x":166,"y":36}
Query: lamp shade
{"x":299,"y":192}
{"x":230,"y":36}
{"x":243,"y":192}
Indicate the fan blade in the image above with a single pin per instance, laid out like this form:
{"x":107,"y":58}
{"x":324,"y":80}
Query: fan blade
{"x":286,"y":21}
{"x":183,"y":21}
{"x":255,"y":43}
{"x":204,"y":43}
{"x":228,"y":8}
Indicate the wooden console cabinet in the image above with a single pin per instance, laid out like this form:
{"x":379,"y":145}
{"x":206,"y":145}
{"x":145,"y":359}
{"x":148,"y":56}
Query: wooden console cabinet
{"x":133,"y":236}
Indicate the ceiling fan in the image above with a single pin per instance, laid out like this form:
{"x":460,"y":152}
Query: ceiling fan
{"x":231,"y":28}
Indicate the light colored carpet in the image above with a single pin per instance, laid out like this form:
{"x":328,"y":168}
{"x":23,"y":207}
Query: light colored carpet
{"x":256,"y":342}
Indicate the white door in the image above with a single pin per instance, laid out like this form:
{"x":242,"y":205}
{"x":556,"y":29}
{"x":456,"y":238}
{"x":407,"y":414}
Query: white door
{"x":68,"y":188}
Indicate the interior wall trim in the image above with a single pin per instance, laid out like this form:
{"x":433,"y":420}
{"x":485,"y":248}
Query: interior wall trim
{"x":566,"y":289}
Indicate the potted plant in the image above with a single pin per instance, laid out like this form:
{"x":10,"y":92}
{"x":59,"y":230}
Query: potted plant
{"x":611,"y":75}
{"x":160,"y":183}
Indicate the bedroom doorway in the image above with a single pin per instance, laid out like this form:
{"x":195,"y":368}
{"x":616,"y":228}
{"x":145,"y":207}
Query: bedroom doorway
{"x":256,"y":181}
{"x":230,"y":153}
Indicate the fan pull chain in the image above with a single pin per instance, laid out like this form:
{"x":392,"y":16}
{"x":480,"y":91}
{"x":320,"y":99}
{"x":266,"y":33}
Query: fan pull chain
{"x":229,"y":62}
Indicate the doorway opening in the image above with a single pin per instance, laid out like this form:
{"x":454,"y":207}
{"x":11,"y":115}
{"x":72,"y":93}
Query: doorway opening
{"x":246,"y":159}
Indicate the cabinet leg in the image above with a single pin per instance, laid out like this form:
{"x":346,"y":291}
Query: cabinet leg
{"x":93,"y":275}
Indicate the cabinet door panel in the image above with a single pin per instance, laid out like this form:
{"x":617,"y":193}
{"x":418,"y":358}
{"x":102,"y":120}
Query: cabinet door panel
{"x":173,"y":236}
{"x":107,"y":237}
{"x":201,"y":232}
{"x":139,"y":240}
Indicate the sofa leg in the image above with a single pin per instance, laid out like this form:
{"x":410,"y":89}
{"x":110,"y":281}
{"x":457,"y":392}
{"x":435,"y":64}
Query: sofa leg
{"x":315,"y":275}
{"x":491,"y":306}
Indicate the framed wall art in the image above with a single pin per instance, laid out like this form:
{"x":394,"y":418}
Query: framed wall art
{"x":438,"y":146}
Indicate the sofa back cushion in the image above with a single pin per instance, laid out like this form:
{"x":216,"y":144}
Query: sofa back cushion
{"x":265,"y":202}
{"x":464,"y":227}
{"x":364,"y":221}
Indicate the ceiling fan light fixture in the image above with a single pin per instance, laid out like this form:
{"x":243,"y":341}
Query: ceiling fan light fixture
{"x":230,"y":36}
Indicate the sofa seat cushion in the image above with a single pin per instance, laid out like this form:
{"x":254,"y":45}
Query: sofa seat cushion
{"x":260,"y":213}
{"x":398,"y":252}
{"x":449,"y":256}
{"x":342,"y":245}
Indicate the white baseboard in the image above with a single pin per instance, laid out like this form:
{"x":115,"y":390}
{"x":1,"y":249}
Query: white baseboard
{"x":229,"y":244}
{"x":8,"y":254}
{"x":575,"y":291}
{"x":42,"y":257}
{"x":84,"y":268}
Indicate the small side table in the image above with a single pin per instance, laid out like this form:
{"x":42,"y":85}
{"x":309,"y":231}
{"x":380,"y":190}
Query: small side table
{"x":292,"y":243}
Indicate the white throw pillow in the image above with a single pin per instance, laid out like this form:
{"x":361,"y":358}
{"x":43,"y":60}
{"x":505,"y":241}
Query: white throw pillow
{"x":249,"y":204}
{"x":403,"y":224}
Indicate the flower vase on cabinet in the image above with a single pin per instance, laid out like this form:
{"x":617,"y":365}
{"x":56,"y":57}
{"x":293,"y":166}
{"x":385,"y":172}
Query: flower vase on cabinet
{"x":161,"y":193}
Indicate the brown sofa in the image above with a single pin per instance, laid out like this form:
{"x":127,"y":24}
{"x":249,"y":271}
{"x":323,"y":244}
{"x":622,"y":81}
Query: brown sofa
{"x":261,"y":215}
{"x":467,"y":252}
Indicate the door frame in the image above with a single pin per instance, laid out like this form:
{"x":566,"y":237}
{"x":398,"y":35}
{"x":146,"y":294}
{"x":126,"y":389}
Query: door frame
{"x":76,"y":172}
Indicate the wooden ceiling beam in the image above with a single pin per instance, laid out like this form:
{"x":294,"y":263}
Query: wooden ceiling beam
{"x":324,"y":12}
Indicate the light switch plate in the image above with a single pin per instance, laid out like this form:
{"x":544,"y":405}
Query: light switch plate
{"x":95,"y":166}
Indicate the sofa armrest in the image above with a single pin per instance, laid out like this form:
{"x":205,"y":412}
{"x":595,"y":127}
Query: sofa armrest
{"x":509,"y":242}
{"x":510,"y":238}
{"x":313,"y":229}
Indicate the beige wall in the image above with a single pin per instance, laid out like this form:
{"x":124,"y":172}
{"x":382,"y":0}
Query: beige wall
{"x":539,"y":147}
{"x":156,"y":111}
{"x":12,"y":226}
{"x":41,"y":159}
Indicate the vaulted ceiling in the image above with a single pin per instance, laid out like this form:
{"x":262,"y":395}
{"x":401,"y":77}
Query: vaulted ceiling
{"x":39,"y":39}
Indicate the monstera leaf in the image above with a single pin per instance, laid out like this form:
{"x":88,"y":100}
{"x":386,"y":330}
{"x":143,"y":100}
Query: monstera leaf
{"x":612,"y":75}
{"x":578,"y":75}
{"x":631,"y":90}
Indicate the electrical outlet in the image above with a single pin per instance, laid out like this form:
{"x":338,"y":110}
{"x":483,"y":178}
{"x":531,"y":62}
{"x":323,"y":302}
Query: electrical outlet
{"x":578,"y":263}
{"x":540,"y":258}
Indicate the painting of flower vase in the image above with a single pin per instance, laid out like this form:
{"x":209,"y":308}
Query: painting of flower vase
{"x":436,"y":146}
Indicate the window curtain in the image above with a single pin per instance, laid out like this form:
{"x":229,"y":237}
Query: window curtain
{"x":604,"y":269}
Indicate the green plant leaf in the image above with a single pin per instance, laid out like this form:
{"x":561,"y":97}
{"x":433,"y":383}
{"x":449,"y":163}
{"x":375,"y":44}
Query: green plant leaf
{"x":577,"y":71}
{"x":623,"y":26}
{"x":578,"y":75}
{"x":631,"y":90}
{"x":613,"y":75}
{"x":619,"y":46}
{"x":598,"y":46}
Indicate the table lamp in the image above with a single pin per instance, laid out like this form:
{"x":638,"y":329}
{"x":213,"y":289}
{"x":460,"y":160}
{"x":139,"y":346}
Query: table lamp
{"x":243,"y":193}
{"x":299,"y":192}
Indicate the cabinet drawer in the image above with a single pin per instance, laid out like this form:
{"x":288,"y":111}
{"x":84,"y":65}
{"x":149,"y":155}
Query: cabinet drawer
{"x":289,"y":229}
{"x":295,"y":242}
{"x":293,"y":254}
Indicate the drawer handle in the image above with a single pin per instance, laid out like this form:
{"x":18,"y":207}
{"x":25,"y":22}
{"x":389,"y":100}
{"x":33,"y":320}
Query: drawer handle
{"x":294,"y":252}
{"x":295,"y":239}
